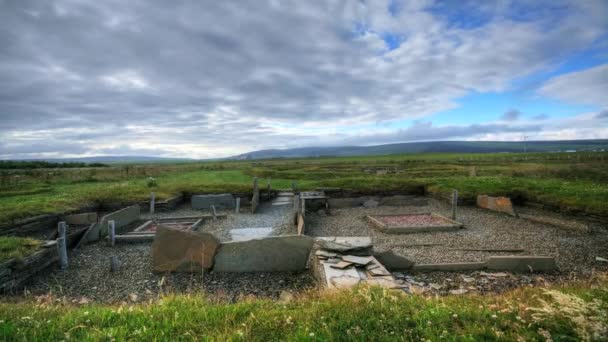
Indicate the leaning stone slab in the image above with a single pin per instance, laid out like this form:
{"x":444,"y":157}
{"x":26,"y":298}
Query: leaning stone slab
{"x":451,"y":267}
{"x":358,"y":245}
{"x":175,"y":250}
{"x":499,"y":204}
{"x":121,"y":218}
{"x":516,"y":263}
{"x":271,"y":254}
{"x":393,"y":261}
{"x":220,"y":201}
{"x":81,"y":219}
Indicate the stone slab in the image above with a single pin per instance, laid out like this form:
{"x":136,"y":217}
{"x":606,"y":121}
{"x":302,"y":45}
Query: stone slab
{"x":450,"y":267}
{"x":175,"y":250}
{"x":499,"y":204}
{"x":271,"y":254}
{"x":526,"y":264}
{"x":301,"y":225}
{"x":82,"y":219}
{"x":393,"y":261}
{"x":346,"y":244}
{"x":121,"y":218}
{"x":220,"y":201}
{"x":357,"y":259}
{"x":244,"y":234}
{"x":340,"y":278}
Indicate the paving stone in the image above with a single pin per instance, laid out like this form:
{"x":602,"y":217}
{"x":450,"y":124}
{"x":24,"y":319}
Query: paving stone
{"x":183,"y":251}
{"x":344,"y":281}
{"x":346,"y":244}
{"x":342,"y":265}
{"x":337,"y":278}
{"x":357,"y":260}
{"x":271,"y":254}
{"x":325,"y":254}
{"x":333,"y":260}
{"x":379,"y":271}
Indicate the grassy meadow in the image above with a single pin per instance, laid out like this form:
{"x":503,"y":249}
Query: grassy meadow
{"x":571,"y":181}
{"x":570,"y":312}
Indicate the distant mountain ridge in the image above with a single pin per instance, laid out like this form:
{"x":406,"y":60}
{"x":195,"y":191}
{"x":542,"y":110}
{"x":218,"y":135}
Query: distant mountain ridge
{"x":431,"y":146}
{"x":112,"y":159}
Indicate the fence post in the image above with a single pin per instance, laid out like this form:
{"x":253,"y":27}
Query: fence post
{"x":214,"y":212}
{"x":454,"y":203}
{"x":62,"y":247}
{"x":112,"y":227}
{"x":238,"y":205}
{"x":152,"y":202}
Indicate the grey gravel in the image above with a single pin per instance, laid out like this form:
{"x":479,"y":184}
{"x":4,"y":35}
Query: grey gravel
{"x":89,"y":276}
{"x":574,"y":251}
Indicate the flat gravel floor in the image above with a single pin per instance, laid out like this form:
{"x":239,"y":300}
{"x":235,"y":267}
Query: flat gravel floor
{"x":574,"y":251}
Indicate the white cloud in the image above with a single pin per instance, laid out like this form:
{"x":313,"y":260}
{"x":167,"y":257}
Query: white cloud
{"x":589,"y":86}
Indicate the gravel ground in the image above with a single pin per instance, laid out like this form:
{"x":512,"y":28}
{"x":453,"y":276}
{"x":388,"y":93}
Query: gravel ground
{"x":89,"y":277}
{"x":411,"y":220}
{"x":574,"y":252}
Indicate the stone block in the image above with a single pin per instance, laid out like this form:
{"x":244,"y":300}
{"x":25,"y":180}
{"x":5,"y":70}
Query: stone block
{"x":81,"y":219}
{"x":516,"y":263}
{"x":220,"y":201}
{"x":393,"y":261}
{"x":176,"y":250}
{"x":301,"y":224}
{"x":271,"y":254}
{"x":499,"y":204}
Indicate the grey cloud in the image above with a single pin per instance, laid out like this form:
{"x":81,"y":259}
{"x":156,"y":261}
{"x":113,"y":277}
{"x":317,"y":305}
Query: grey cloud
{"x":540,"y":117}
{"x":511,"y":115}
{"x":217,"y":73}
{"x":602,"y":115}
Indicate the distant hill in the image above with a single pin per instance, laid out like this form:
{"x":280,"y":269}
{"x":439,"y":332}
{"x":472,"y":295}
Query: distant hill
{"x":431,"y":146}
{"x":113,"y":159}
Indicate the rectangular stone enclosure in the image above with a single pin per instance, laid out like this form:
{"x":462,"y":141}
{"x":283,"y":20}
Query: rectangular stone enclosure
{"x":412,"y":223}
{"x":220,"y":201}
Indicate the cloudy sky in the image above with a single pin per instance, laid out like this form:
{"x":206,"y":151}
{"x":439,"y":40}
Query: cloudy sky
{"x":217,"y":78}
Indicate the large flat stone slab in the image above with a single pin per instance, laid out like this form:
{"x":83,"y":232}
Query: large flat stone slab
{"x":499,"y":204}
{"x":525,"y":264}
{"x":244,"y":234}
{"x":176,"y":250}
{"x":271,"y":254}
{"x":346,"y":244}
{"x":121,"y":218}
{"x":220,"y":201}
{"x":82,"y":219}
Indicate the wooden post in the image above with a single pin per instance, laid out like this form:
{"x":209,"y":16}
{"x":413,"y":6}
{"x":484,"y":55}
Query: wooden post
{"x":62,"y":247}
{"x":454,"y":203}
{"x":214,"y":212}
{"x":238,"y":205}
{"x":114,"y":264}
{"x":112,"y":228}
{"x":152,"y":202}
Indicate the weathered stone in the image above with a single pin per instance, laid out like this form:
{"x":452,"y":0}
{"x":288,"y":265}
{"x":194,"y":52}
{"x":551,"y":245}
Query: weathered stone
{"x":121,"y":218}
{"x":351,"y":244}
{"x":383,"y":281}
{"x":450,"y":267}
{"x":81,"y":219}
{"x":392,"y":260}
{"x":499,"y":204}
{"x":301,"y":224}
{"x":370,"y":204}
{"x":458,"y":291}
{"x":180,"y":250}
{"x":379,"y":271}
{"x":516,"y":263}
{"x":220,"y":201}
{"x":344,"y":282}
{"x":357,"y":260}
{"x":276,"y":253}
{"x":325,"y":254}
{"x":342,"y":265}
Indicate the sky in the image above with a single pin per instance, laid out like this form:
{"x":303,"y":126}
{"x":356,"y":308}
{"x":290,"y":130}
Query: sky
{"x":206,"y":79}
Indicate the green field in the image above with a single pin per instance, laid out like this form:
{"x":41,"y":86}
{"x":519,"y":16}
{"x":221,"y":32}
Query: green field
{"x":566,"y":313}
{"x":570,"y":181}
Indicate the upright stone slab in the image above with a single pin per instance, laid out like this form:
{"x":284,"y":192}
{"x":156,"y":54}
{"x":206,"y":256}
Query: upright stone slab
{"x":81,"y":219}
{"x":500,"y":204}
{"x":271,"y":254}
{"x":392,"y":260}
{"x":220,"y":201}
{"x":175,"y":250}
{"x":255,"y":199}
{"x":121,"y":218}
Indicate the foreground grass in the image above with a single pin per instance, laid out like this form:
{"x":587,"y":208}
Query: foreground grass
{"x":16,"y":247}
{"x":575,"y":312}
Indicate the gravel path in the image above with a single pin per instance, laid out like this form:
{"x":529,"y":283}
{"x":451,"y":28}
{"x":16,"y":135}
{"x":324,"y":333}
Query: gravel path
{"x":574,"y":252}
{"x":89,"y":276}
